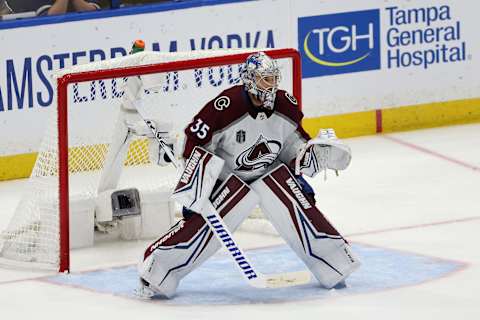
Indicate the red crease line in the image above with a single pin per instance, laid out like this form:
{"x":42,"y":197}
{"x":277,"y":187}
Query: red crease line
{"x":432,"y":153}
{"x":424,"y":225}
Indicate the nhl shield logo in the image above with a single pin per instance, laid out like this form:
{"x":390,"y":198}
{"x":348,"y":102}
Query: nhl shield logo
{"x":241,"y":136}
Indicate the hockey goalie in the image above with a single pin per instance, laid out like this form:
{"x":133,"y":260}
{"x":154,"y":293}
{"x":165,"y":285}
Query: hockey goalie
{"x":247,"y":148}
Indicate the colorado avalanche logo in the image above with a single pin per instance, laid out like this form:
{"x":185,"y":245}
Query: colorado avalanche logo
{"x":262,"y":154}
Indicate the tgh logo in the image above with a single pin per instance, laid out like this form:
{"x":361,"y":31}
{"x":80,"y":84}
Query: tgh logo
{"x":339,"y":43}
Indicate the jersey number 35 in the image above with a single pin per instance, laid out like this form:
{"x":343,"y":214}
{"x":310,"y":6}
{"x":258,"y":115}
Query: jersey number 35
{"x":200,"y":128}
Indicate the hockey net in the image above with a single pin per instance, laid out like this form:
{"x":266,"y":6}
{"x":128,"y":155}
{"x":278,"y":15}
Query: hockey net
{"x":73,"y":150}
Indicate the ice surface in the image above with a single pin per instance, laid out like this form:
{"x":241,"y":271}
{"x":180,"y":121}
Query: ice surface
{"x":412,"y":215}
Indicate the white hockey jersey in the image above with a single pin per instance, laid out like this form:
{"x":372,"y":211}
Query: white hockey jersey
{"x":250,"y":139}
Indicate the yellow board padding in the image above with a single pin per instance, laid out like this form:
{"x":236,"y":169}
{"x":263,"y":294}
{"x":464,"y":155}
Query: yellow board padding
{"x":431,"y":115}
{"x":17,"y":166}
{"x":85,"y":158}
{"x":345,"y":125}
{"x":398,"y":119}
{"x":88,"y":158}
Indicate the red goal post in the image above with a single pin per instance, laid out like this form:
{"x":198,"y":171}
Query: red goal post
{"x":84,"y":76}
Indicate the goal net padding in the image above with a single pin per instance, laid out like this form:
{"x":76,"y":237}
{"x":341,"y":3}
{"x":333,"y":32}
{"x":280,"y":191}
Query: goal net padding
{"x":64,"y":184}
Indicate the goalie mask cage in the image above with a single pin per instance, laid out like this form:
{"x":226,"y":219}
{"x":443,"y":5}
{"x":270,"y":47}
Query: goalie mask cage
{"x":38,"y":236}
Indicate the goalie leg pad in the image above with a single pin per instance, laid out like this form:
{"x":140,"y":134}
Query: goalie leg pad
{"x":304,"y":227}
{"x":190,"y":242}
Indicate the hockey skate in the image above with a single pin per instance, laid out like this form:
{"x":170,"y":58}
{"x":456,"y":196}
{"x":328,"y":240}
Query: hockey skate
{"x":144,"y":291}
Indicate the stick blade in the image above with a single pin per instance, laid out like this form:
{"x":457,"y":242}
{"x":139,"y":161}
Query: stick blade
{"x":283,"y":280}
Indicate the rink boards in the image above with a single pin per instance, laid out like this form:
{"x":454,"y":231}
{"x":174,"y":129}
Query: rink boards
{"x":368,"y":67}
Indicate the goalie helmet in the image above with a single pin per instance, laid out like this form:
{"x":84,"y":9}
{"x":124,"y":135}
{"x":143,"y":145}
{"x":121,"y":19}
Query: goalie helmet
{"x":261,"y":77}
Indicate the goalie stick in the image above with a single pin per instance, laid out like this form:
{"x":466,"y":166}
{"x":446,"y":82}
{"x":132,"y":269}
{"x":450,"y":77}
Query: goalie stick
{"x":224,"y":235}
{"x":161,"y":141}
{"x":253,"y":277}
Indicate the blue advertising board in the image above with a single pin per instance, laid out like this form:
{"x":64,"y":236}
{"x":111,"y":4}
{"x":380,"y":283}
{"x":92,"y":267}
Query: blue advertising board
{"x":339,"y":43}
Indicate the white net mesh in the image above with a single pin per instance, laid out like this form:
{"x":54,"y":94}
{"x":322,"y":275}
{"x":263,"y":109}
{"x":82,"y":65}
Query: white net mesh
{"x":32,"y":237}
{"x":33,"y":232}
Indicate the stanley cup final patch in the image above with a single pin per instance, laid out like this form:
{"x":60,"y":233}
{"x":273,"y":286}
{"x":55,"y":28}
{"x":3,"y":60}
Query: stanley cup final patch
{"x":240,"y":136}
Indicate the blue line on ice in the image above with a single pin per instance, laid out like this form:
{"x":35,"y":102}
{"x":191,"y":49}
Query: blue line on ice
{"x":217,"y":281}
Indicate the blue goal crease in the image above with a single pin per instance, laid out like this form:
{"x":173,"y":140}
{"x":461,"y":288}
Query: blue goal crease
{"x":217,"y":282}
